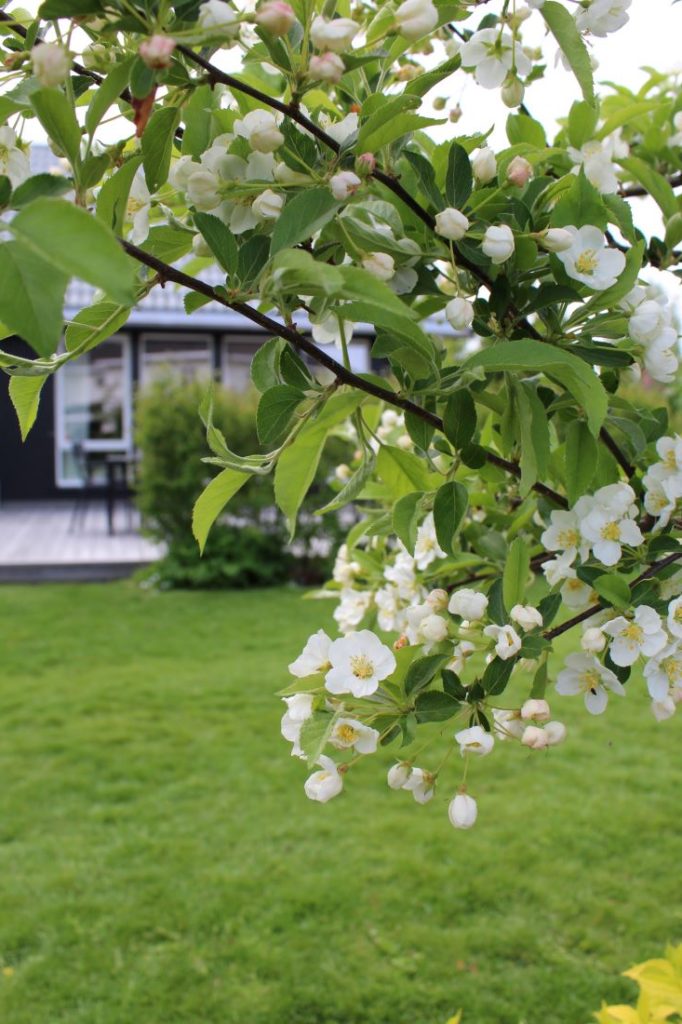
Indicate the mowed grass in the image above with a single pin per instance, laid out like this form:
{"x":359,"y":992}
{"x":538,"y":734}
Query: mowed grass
{"x":160,"y":864}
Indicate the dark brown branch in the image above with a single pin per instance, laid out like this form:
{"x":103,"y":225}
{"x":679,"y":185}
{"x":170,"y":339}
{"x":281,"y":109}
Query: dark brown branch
{"x":637,"y":190}
{"x":168,"y":273}
{"x":652,"y":570}
{"x":620,"y":456}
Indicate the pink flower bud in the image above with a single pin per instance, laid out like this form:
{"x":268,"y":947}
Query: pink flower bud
{"x":537,"y":710}
{"x":328,"y":67}
{"x":276,"y":17}
{"x":519,"y":171}
{"x":156,"y":52}
{"x":365,"y":163}
{"x":534,"y":738}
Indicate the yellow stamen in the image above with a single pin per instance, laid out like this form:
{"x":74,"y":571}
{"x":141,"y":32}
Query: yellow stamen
{"x":587,"y":262}
{"x":361,"y":666}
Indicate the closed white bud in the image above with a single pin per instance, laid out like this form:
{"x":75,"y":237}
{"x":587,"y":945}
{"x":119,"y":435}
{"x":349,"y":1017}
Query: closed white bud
{"x":498,"y":243}
{"x":260,"y":128}
{"x":324,"y":785}
{"x":344,"y":184}
{"x":218,"y":18}
{"x":275,"y":17}
{"x":343,"y":473}
{"x":556,"y":240}
{"x":202,"y":190}
{"x":157,"y":51}
{"x":535,"y":738}
{"x":512,"y":92}
{"x":460,"y":314}
{"x":519,"y":171}
{"x":398,"y":775}
{"x":452,"y":223}
{"x":288,"y":176}
{"x":469,"y":604}
{"x":437,"y":599}
{"x":526,"y":616}
{"x":537,"y":710}
{"x":433,"y":629}
{"x":334,"y":34}
{"x":268,"y":205}
{"x":462,"y":811}
{"x":379,"y":265}
{"x":415,"y":18}
{"x":328,"y":67}
{"x":484,"y":165}
{"x":51,"y":64}
{"x":405,"y":442}
{"x":555,"y":733}
{"x":593,"y":640}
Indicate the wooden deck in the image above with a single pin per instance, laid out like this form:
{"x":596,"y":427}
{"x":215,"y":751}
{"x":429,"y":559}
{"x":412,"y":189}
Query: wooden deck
{"x":68,"y":540}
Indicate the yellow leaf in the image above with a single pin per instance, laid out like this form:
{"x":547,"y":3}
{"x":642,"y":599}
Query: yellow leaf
{"x":456,"y":1019}
{"x":618,"y":1015}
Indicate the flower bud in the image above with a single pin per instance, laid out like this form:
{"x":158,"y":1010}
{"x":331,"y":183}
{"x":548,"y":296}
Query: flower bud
{"x":440,"y":103}
{"x":405,"y":442}
{"x":555,"y":733}
{"x":468,"y":604}
{"x":519,"y":171}
{"x":379,"y":265}
{"x":365,"y":164}
{"x":328,"y":67}
{"x":534,"y":737}
{"x":344,"y":184}
{"x":556,"y":240}
{"x":455,"y":114}
{"x":51,"y":64}
{"x":512,"y":92}
{"x":415,"y":18}
{"x":460,"y":314}
{"x":398,"y":775}
{"x":498,"y":243}
{"x":437,"y":599}
{"x":343,"y":472}
{"x":288,"y":176}
{"x":433,"y":629}
{"x":336,"y":34}
{"x":593,"y":640}
{"x":526,"y":616}
{"x":401,"y":642}
{"x":157,"y":51}
{"x":268,"y":205}
{"x":484,"y":165}
{"x":538,"y":710}
{"x":462,"y":811}
{"x":275,"y":17}
{"x":218,"y":18}
{"x":452,"y":224}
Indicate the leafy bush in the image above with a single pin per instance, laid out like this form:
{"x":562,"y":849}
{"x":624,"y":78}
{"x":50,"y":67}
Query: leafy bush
{"x":660,"y":992}
{"x":249,"y":547}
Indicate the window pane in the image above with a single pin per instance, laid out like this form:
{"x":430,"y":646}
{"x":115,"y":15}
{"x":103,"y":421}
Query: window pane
{"x":237,"y":356}
{"x":93,"y":395}
{"x":187,"y":358}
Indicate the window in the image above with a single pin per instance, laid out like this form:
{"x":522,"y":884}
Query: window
{"x":238,"y":351}
{"x":189,"y":356}
{"x":92,"y":410}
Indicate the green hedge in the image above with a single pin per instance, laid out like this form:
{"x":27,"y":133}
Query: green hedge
{"x":253,"y":550}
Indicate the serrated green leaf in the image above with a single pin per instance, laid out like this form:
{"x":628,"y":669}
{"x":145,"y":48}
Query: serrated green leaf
{"x":157,"y":146}
{"x":580,"y":460}
{"x":515,"y":576}
{"x":112,"y":200}
{"x":220,"y":240}
{"x":422,"y":671}
{"x":459,"y":419}
{"x":40,"y":185}
{"x":449,"y":507}
{"x":276,"y":411}
{"x":107,"y":94}
{"x":31,"y":297}
{"x":459,"y":179}
{"x":563,"y":27}
{"x":353,"y":487}
{"x":435,"y":706}
{"x":406,"y":513}
{"x":94,"y":324}
{"x":213,"y":500}
{"x":265,"y":364}
{"x":401,"y":471}
{"x":25,"y":395}
{"x":302,"y":216}
{"x":57,"y":116}
{"x":614,"y":589}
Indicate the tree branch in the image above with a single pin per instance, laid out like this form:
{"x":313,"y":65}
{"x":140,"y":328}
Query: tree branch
{"x":652,"y":570}
{"x":637,"y":190}
{"x":167,"y":272}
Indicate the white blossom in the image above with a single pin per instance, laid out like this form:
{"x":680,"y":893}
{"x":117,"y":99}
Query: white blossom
{"x":345,"y":570}
{"x":325,"y":784}
{"x":462,"y":811}
{"x":349,"y":732}
{"x":334,"y":34}
{"x":593,"y":640}
{"x":660,"y":360}
{"x":139,"y":207}
{"x":664,"y":671}
{"x":585,"y":674}
{"x":519,"y":170}
{"x":535,"y":709}
{"x":51,"y":64}
{"x":313,"y":658}
{"x":484,"y":165}
{"x":260,"y":129}
{"x":508,"y":724}
{"x":268,"y":205}
{"x":498,"y":243}
{"x":433,"y":629}
{"x":344,"y":184}
{"x":526,"y":616}
{"x":643,"y":635}
{"x":462,"y":651}
{"x":14,"y":163}
{"x":452,"y":224}
{"x":352,"y":608}
{"x":275,"y":17}
{"x":507,"y":640}
{"x":426,"y":548}
{"x":556,"y":240}
{"x":555,"y":733}
{"x":359,"y":662}
{"x":379,"y":265}
{"x":493,"y":53}
{"x":589,"y":261}
{"x":327,"y":67}
{"x":459,"y":314}
{"x":332,"y":330}
{"x":475,"y":741}
{"x":156,"y":51}
{"x":218,"y":18}
{"x":675,"y":617}
{"x":398,"y":774}
{"x":602,"y":16}
{"x":535,"y":738}
{"x":421,"y":784}
{"x":609,"y":522}
{"x":299,"y":710}
{"x":648,"y":321}
{"x":416,"y":17}
{"x":469,"y":604}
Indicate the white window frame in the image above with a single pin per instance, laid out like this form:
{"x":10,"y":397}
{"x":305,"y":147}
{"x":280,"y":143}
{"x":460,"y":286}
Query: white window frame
{"x":147,"y":336}
{"x":125,"y":444}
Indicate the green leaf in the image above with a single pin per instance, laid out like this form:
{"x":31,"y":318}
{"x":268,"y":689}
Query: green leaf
{"x":77,"y":244}
{"x":213,"y":500}
{"x":275,"y":412}
{"x":353,"y":487}
{"x":563,"y":27}
{"x":112,"y":201}
{"x":515,"y":576}
{"x":197,"y":116}
{"x":579,"y":205}
{"x":656,"y":185}
{"x":435,"y":706}
{"x":5,"y":191}
{"x":25,"y":395}
{"x":521,"y":128}
{"x":52,"y":9}
{"x":459,"y":180}
{"x":169,"y":244}
{"x":419,"y":430}
{"x":450,"y":504}
{"x":31,"y":297}
{"x":582,"y":122}
{"x":613,"y":589}
{"x":406,"y":515}
{"x":422,"y":671}
{"x":387,"y":108}
{"x":299,"y":151}
{"x":40,"y":185}
{"x":459,"y":419}
{"x":265,"y":364}
{"x":401,"y":471}
{"x":426,"y":177}
{"x":535,"y":356}
{"x":295,"y":471}
{"x":425,"y":81}
{"x":56,"y":115}
{"x":220,"y":240}
{"x":95,"y":324}
{"x":107,"y":93}
{"x":157,"y":146}
{"x":534,"y":436}
{"x":141,"y":79}
{"x":580,"y":458}
{"x":253,"y":255}
{"x":297,"y":271}
{"x":496,"y":676}
{"x":302,"y":216}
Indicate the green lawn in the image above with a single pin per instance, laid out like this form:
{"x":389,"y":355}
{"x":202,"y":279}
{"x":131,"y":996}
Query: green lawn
{"x":159,"y":862}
